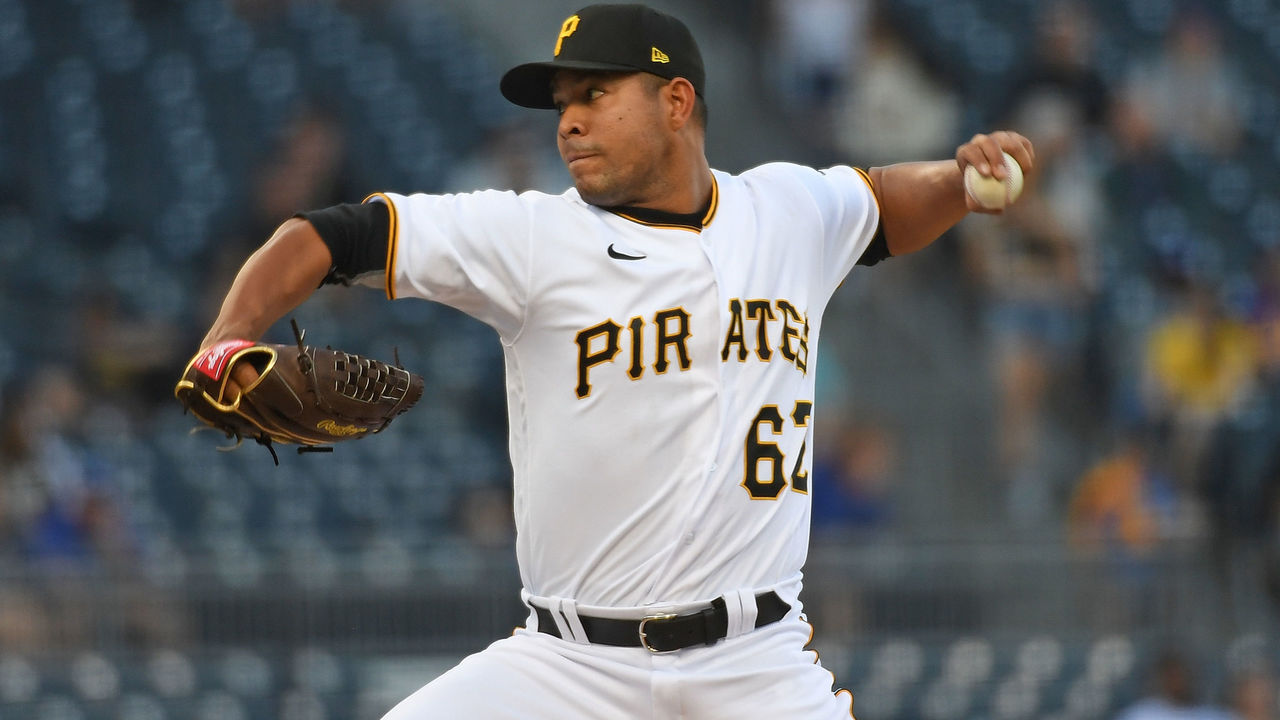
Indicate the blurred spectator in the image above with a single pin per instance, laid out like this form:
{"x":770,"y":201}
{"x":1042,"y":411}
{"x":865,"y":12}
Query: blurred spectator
{"x":24,"y":622}
{"x":1252,"y":694}
{"x":62,"y":523}
{"x":1034,"y":272}
{"x":1240,"y":483}
{"x":894,"y":106}
{"x":852,"y":481}
{"x":1240,"y":475}
{"x":511,"y":159}
{"x":836,"y":62}
{"x":1200,"y":363}
{"x":1174,"y":693}
{"x":130,"y":356}
{"x":1264,"y":311}
{"x":1125,"y":504}
{"x":56,"y":519}
{"x":816,"y":44}
{"x":306,"y":170}
{"x":1062,"y":64}
{"x":1141,"y":175}
{"x":1190,"y":90}
{"x":58,"y":510}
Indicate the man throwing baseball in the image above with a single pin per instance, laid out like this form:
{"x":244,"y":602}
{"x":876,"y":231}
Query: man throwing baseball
{"x":659,"y":322}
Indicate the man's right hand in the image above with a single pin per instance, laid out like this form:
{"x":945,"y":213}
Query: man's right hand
{"x":243,"y":375}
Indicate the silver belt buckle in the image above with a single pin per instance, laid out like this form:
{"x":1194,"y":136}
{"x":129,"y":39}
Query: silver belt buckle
{"x":644,"y":638}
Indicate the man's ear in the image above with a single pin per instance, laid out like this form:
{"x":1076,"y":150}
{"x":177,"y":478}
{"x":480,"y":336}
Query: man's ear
{"x":681,"y":98}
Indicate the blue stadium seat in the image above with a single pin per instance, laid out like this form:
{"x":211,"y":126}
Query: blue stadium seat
{"x":58,"y":707}
{"x":319,"y":671}
{"x":141,"y":706}
{"x":20,"y":679}
{"x":968,"y":662}
{"x":387,"y":561}
{"x":1040,"y":659}
{"x":244,"y":672}
{"x":220,"y":705}
{"x":1016,"y":697}
{"x":95,"y":677}
{"x":944,"y":699}
{"x":171,"y":674}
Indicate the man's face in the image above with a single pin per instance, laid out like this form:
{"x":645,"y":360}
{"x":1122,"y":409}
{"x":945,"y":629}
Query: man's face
{"x":613,"y":135}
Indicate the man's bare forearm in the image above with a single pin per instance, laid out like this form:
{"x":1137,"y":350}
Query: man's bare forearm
{"x":277,"y":278}
{"x":920,"y":201}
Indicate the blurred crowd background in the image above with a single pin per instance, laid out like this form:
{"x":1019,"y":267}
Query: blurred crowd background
{"x":1049,"y":447}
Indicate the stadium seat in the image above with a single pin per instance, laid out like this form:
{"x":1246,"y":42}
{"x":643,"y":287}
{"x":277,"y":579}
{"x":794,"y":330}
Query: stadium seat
{"x":1040,"y":659}
{"x":141,"y":706}
{"x":171,"y":674}
{"x":95,"y":677}
{"x":968,"y":661}
{"x":19,"y":679}
{"x":244,"y":672}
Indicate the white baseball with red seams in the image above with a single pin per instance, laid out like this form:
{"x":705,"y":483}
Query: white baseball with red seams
{"x":991,"y":193}
{"x":660,"y":386}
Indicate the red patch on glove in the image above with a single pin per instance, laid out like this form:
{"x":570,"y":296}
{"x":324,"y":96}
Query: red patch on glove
{"x":213,"y":362}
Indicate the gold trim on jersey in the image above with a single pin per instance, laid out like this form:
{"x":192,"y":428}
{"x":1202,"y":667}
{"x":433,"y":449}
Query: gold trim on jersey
{"x":715,"y":202}
{"x":706,"y":219}
{"x":866,"y":177}
{"x":393,"y":236}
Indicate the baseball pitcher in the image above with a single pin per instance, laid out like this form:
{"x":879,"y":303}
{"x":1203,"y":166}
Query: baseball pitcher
{"x":660,"y":323}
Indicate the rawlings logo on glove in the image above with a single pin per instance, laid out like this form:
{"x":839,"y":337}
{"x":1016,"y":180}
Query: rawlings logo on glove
{"x":336,"y":430}
{"x":302,"y":395}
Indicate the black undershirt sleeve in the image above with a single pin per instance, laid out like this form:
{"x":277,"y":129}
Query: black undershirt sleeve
{"x":356,"y":234}
{"x":877,"y":250}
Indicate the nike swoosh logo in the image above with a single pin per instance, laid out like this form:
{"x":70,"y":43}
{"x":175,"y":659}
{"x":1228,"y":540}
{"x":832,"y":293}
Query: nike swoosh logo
{"x":623,"y":256}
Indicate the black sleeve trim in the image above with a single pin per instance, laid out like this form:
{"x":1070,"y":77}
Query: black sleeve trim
{"x":356,"y":234}
{"x":877,"y":250}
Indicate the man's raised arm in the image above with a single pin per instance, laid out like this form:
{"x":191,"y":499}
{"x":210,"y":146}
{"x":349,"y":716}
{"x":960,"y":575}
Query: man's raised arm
{"x":920,"y":201}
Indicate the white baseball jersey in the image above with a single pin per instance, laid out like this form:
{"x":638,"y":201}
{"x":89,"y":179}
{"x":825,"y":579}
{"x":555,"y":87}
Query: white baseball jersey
{"x":660,"y":377}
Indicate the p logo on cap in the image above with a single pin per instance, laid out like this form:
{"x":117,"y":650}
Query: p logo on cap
{"x":567,"y":29}
{"x":624,"y":38}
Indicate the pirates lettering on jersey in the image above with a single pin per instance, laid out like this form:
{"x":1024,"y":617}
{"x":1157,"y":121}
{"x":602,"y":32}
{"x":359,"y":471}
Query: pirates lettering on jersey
{"x":793,"y":337}
{"x":601,"y":344}
{"x":778,"y":327}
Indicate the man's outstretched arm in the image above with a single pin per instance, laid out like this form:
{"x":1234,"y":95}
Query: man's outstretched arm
{"x":277,"y":277}
{"x":920,"y":201}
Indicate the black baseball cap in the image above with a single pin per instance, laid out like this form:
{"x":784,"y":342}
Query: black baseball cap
{"x":618,"y":38}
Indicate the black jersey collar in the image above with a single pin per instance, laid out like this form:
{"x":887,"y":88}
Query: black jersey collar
{"x":694,"y":221}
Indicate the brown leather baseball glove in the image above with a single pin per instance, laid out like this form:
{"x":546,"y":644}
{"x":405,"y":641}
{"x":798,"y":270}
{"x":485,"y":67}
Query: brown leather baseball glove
{"x":303,"y":395}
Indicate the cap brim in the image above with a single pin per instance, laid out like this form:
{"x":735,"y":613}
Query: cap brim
{"x":529,"y":85}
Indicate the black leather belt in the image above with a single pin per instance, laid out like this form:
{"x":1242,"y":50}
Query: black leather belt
{"x":665,"y":633}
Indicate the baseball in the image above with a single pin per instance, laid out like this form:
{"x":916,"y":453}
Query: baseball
{"x":991,"y":193}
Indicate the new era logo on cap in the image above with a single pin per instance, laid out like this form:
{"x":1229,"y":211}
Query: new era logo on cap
{"x":616,"y":38}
